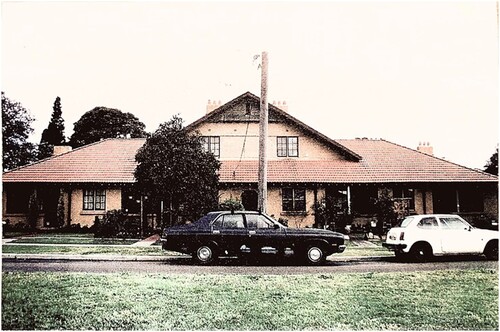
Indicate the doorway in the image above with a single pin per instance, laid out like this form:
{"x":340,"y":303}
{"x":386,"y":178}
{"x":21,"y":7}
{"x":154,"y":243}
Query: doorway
{"x":249,"y":199}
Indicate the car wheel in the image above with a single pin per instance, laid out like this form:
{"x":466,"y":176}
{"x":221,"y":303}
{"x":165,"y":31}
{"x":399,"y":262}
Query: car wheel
{"x":491,"y":251}
{"x":204,"y":254}
{"x":421,"y":252}
{"x":315,"y":255}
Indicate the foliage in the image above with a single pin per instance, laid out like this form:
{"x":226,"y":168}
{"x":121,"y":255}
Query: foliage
{"x":60,"y":209}
{"x":54,"y":133}
{"x":231,"y":204}
{"x":386,"y":215}
{"x":116,"y":223}
{"x":33,"y":210}
{"x":427,"y":300}
{"x":174,"y":168}
{"x":16,"y":128}
{"x":492,"y":165}
{"x":102,"y":122}
{"x":331,"y":214}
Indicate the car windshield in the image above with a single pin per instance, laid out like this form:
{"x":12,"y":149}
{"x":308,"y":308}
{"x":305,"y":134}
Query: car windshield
{"x":406,"y":221}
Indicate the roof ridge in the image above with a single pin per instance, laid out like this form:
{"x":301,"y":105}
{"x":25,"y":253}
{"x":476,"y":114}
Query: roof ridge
{"x":441,"y":159}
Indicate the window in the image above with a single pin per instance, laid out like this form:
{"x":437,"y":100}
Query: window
{"x":229,"y":221}
{"x":288,"y":146}
{"x":94,"y":199}
{"x":427,"y":223}
{"x":405,"y":195}
{"x":212,"y":144}
{"x":258,"y":221}
{"x":18,"y":199}
{"x":453,"y":223}
{"x":294,"y":199}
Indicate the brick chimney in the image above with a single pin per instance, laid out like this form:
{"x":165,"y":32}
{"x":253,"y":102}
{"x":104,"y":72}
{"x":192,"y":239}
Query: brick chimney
{"x":211,"y":105}
{"x":424,"y":147}
{"x":60,"y":149}
{"x":282,"y":105}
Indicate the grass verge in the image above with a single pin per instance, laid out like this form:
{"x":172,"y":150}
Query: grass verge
{"x":72,"y":240}
{"x":351,"y":250}
{"x":443,"y":300}
{"x":86,"y":250}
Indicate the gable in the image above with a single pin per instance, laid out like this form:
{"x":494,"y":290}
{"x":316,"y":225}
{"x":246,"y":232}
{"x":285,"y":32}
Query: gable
{"x":245,"y":110}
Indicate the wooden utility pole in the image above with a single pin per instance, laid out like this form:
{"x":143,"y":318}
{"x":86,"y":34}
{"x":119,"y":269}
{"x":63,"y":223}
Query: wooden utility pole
{"x":263,"y":124}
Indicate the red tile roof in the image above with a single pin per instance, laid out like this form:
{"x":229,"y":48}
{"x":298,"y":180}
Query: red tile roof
{"x":107,"y":161}
{"x":113,"y":161}
{"x":383,"y":162}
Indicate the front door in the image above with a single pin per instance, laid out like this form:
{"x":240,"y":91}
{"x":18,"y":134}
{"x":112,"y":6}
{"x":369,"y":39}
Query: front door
{"x":249,"y":199}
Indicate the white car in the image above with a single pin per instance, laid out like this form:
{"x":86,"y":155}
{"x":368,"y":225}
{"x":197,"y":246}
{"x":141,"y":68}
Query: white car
{"x":422,"y":236}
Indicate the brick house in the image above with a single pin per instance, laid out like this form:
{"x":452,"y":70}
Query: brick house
{"x":304,"y":166}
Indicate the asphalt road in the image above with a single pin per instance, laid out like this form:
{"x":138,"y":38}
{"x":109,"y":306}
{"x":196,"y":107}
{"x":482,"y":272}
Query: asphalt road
{"x":233,"y":266}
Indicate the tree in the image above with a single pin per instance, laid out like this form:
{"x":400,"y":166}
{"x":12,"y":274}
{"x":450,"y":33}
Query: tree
{"x":16,"y":128}
{"x":174,"y":168}
{"x":386,"y":215}
{"x":54,"y":133}
{"x":492,"y":165}
{"x":103,"y":122}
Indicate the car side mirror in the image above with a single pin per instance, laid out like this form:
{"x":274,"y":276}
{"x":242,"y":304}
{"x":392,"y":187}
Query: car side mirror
{"x":276,"y":226}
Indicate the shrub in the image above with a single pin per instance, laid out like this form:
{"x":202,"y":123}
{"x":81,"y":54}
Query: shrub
{"x":231,"y":205}
{"x":117,"y":223}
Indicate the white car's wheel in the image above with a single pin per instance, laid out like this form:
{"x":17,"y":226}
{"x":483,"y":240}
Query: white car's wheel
{"x":421,"y":252}
{"x":491,"y":250}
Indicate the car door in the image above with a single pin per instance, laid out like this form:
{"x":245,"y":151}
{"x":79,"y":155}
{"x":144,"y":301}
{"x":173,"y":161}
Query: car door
{"x":428,"y":230}
{"x":459,"y":237}
{"x":229,"y":232}
{"x":264,"y":236}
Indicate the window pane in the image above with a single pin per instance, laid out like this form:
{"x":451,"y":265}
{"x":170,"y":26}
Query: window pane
{"x":233,"y":221}
{"x":204,"y":141}
{"x":88,"y":199}
{"x":428,"y":223}
{"x":281,"y":143}
{"x":215,"y":146}
{"x":100,"y":199}
{"x":287,"y":199}
{"x":293,"y":146}
{"x":300,"y":199}
{"x":454,"y":223}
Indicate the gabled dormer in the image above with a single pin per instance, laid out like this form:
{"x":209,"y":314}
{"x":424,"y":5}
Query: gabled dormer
{"x":231,"y":132}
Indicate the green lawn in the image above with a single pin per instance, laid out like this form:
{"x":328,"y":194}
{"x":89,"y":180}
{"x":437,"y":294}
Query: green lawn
{"x":72,"y":240}
{"x":86,"y":239}
{"x":85,"y":250}
{"x":444,"y":300}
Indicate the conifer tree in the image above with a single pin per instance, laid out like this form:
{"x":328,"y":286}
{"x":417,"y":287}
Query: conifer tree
{"x":54,"y":133}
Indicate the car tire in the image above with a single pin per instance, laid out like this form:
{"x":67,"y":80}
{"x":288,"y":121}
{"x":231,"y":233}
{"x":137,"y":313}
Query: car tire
{"x":421,"y":252}
{"x":491,"y":250}
{"x":205,"y":254}
{"x":315,"y":255}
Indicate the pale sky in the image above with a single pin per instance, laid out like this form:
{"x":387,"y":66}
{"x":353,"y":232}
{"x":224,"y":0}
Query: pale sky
{"x":402,"y":71}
